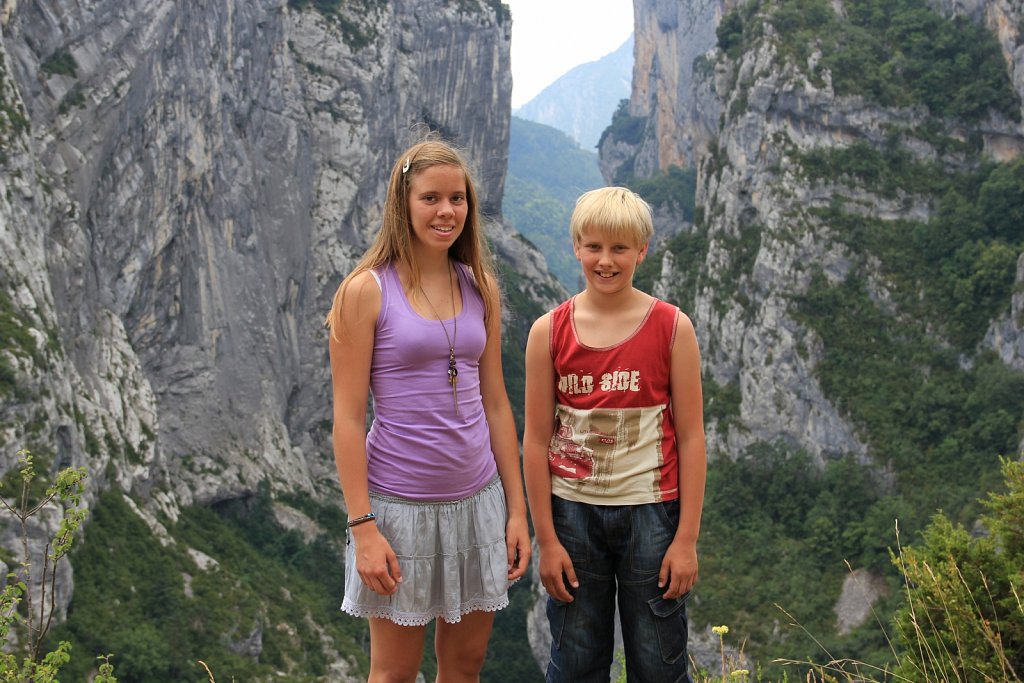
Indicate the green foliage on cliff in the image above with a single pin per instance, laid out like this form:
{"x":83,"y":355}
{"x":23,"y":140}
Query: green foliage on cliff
{"x":349,"y":15}
{"x":676,"y":188}
{"x":626,"y":129}
{"x":689,"y":248}
{"x":13,"y":121}
{"x":956,"y":269}
{"x":60,"y":62}
{"x":14,"y":330}
{"x":896,"y":360}
{"x":938,"y":424}
{"x":897,"y":53}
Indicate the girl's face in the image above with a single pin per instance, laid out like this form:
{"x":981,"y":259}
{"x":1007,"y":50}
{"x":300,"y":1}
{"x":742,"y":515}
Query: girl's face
{"x":438,"y":206}
{"x":608,"y":263}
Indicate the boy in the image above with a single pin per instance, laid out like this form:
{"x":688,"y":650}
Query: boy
{"x":614,"y":456}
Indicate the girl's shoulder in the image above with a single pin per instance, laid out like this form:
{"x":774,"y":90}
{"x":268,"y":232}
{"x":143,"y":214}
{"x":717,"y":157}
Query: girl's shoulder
{"x":364,"y":288}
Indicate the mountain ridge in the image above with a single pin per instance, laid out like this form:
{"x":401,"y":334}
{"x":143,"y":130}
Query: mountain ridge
{"x":580,"y":103}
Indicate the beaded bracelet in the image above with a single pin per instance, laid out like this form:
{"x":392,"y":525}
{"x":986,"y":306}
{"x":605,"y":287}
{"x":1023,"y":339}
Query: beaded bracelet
{"x":368,"y":517}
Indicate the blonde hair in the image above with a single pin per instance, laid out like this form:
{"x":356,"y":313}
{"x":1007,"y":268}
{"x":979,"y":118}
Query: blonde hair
{"x":614,"y":211}
{"x":393,"y":243}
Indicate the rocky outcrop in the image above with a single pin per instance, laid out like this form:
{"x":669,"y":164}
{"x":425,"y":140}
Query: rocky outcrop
{"x":861,"y":590}
{"x":1005,"y":335}
{"x":671,"y":41}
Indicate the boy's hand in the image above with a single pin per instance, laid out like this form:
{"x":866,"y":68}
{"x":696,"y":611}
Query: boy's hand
{"x":678,"y":569}
{"x":517,"y":542}
{"x":555,"y":569}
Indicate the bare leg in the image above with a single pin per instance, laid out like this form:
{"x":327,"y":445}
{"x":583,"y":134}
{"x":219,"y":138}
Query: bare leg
{"x":395,"y":651}
{"x":461,"y":647}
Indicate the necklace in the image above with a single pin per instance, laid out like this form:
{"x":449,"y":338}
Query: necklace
{"x":453,"y":372}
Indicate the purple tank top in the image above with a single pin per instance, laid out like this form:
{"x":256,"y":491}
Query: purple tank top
{"x":417,"y":447}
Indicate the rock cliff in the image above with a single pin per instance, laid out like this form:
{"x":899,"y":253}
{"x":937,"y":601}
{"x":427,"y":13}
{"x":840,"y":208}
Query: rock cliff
{"x":749,"y":114}
{"x":183,"y":187}
{"x":744,"y":120}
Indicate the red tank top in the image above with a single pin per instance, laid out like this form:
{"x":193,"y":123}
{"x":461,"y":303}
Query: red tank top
{"x":614,"y":440}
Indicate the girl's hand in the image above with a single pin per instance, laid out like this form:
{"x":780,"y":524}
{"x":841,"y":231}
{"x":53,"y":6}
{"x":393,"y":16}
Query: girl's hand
{"x":517,"y":542}
{"x":376,"y":562}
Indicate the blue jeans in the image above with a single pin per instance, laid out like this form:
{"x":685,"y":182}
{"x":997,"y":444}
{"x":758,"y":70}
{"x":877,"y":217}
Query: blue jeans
{"x":617,"y":548}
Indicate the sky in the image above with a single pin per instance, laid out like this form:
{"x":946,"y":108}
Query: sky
{"x":550,"y":37}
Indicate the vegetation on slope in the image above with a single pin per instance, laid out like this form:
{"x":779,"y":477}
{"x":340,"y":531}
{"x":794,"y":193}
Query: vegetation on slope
{"x":897,"y":53}
{"x":258,"y":612}
{"x":547,"y":172}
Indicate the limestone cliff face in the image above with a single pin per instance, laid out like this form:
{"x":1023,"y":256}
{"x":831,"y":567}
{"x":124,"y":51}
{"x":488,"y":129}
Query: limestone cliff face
{"x":183,"y":187}
{"x":742,"y":122}
{"x":671,"y":40}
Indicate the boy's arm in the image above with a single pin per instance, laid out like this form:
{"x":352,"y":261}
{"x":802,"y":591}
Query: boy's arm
{"x":679,"y":567}
{"x":540,"y":419}
{"x":502,"y":428}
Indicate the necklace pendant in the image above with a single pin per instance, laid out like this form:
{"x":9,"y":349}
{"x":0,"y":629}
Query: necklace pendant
{"x":453,"y":372}
{"x":453,"y":379}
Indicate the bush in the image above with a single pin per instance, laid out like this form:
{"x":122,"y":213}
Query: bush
{"x":963,"y":617}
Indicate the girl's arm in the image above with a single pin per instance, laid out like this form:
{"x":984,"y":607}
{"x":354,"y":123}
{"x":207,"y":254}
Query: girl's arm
{"x":555,"y":565}
{"x":351,"y":350}
{"x":679,"y":566}
{"x":504,"y":443}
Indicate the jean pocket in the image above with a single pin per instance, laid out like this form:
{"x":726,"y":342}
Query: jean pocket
{"x":668,"y":512}
{"x":670,"y":624}
{"x":570,"y":522}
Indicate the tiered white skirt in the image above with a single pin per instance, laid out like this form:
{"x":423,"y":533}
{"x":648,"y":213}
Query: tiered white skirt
{"x":452,"y":556}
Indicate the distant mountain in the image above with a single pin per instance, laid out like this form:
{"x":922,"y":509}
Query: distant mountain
{"x":581,"y":102}
{"x":547,"y":171}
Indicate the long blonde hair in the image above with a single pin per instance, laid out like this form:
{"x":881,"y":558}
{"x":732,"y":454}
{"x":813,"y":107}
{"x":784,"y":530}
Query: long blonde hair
{"x":393,"y":243}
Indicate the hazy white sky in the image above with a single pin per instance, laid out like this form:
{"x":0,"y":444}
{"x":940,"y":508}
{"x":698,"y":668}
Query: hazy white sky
{"x":550,"y":37}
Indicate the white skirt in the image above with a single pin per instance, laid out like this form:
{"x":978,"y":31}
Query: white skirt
{"x":452,"y":555}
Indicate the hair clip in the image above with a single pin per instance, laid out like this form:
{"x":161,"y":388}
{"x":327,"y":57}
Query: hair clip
{"x":405,"y":169}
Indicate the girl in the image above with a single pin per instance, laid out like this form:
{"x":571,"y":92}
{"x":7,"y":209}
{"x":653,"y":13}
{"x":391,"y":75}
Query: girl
{"x":437,"y":515}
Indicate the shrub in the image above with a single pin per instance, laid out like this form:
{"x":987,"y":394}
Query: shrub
{"x":963,"y":617}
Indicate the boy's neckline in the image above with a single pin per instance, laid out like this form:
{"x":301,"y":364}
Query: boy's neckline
{"x":604,"y":334}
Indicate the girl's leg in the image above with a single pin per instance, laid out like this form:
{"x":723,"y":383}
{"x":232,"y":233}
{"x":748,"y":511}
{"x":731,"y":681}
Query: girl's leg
{"x":461,"y":647}
{"x":395,"y":651}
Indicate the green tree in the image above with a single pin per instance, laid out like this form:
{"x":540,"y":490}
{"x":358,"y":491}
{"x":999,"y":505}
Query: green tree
{"x":19,"y":611}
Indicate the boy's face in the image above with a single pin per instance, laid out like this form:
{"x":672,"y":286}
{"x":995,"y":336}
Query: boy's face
{"x":608,"y":262}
